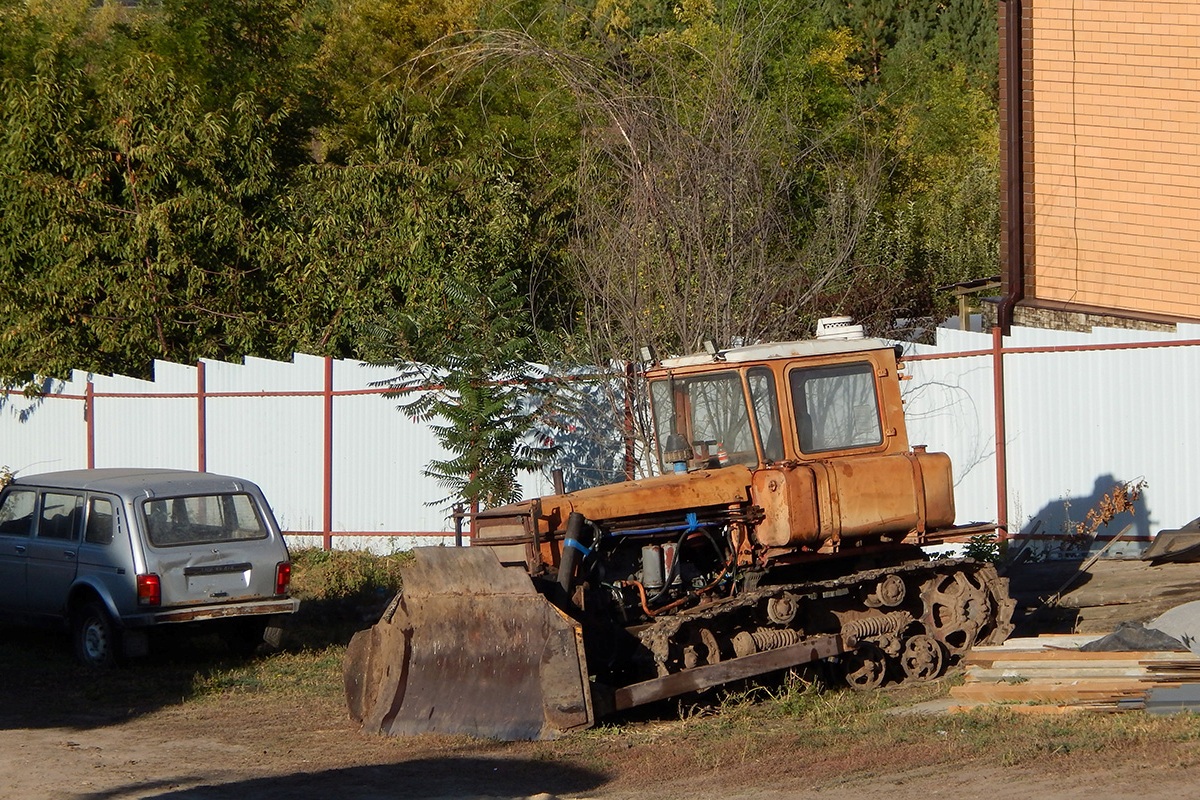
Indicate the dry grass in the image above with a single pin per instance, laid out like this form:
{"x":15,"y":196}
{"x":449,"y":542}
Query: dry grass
{"x":345,"y":574}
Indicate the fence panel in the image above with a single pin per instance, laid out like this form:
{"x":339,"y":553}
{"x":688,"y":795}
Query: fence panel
{"x":146,"y":423}
{"x":949,"y":407}
{"x":379,"y":458}
{"x":1077,"y":422}
{"x":1081,"y":422}
{"x":264,"y":422}
{"x":338,"y":458}
{"x":45,"y":433}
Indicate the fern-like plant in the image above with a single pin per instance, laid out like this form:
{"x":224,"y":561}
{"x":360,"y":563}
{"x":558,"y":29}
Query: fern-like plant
{"x":477,"y":388}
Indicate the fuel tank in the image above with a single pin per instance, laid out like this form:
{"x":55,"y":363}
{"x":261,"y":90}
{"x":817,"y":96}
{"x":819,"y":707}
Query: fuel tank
{"x":816,"y":502}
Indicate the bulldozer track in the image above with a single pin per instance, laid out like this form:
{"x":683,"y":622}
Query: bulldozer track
{"x":919,"y":617}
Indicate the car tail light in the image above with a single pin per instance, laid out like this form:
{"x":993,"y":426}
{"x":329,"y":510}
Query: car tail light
{"x":283,"y":576}
{"x":149,"y":590}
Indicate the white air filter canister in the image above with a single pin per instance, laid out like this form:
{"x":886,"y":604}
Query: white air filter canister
{"x":838,"y":328}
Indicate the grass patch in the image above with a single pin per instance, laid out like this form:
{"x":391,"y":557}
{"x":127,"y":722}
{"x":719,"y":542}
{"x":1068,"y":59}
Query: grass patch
{"x":345,"y":574}
{"x":341,"y":592}
{"x":300,"y":674}
{"x":804,"y":722}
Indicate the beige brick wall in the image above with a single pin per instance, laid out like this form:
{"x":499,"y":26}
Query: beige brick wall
{"x":1114,"y":145}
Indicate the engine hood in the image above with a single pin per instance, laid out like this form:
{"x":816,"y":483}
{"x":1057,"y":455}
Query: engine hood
{"x":685,"y":491}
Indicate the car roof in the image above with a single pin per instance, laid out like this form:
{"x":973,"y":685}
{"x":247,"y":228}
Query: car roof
{"x":133,"y":481}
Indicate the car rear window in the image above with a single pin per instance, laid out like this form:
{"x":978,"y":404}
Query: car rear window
{"x":202,"y":519}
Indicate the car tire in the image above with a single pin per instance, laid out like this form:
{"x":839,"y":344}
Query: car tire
{"x":97,"y":638}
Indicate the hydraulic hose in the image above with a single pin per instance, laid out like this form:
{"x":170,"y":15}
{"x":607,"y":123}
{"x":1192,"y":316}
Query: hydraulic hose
{"x":689,"y":596}
{"x":574,"y":548}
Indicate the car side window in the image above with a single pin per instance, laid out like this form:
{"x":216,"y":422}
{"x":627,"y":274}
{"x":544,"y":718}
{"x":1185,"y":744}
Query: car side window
{"x":60,"y":516}
{"x":100,"y":521}
{"x":16,"y":512}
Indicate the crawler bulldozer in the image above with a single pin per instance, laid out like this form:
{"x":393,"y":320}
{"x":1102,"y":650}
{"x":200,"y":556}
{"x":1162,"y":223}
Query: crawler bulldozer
{"x":786,"y":528}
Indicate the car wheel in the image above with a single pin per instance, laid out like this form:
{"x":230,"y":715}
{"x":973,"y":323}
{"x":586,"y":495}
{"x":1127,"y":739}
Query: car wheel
{"x":97,"y":639}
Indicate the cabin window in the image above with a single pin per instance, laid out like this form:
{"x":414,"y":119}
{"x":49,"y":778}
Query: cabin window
{"x":710,"y":412}
{"x":837,"y":407}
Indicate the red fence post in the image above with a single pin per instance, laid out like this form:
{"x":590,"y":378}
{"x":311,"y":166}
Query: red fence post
{"x":201,"y":418}
{"x":1001,"y":433}
{"x":327,"y":478}
{"x":89,"y":417}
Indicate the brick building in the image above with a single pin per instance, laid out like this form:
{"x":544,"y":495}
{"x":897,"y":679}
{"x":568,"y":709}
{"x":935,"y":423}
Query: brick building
{"x":1101,"y":167}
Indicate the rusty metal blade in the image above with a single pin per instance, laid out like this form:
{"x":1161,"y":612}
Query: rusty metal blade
{"x":469,"y":646}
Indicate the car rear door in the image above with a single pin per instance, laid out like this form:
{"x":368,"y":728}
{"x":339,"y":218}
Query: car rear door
{"x":17,"y":507}
{"x":211,"y":548}
{"x":54,"y":551}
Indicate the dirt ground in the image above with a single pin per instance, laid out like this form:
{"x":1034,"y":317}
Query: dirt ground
{"x":249,"y":747}
{"x":245,"y":750}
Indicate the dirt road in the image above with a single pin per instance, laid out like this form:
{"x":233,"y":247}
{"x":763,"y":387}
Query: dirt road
{"x":239,"y":747}
{"x":70,"y":736}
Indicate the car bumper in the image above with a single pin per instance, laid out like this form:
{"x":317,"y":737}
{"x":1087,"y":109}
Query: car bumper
{"x":252,"y":608}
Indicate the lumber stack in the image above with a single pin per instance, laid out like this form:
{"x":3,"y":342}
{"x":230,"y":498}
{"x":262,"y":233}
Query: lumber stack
{"x":1050,"y":673}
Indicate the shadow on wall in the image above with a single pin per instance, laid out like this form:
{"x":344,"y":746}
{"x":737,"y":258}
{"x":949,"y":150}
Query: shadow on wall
{"x":25,"y":403}
{"x":588,"y":432}
{"x":1073,"y":528}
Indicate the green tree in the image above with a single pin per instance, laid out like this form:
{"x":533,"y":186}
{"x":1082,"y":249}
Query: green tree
{"x":136,"y":195}
{"x":131,"y":220}
{"x":966,"y":31}
{"x":700,"y":174}
{"x":929,"y":90}
{"x":366,"y":56}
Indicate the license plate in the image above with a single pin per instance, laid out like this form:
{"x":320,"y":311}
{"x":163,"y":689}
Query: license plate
{"x":221,"y":584}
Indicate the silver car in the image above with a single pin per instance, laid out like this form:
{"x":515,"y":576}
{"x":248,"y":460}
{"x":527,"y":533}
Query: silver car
{"x":112,"y":552}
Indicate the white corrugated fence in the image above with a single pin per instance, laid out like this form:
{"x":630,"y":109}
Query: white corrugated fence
{"x":341,"y":463}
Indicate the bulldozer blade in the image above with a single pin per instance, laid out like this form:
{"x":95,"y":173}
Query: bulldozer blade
{"x":469,"y":646}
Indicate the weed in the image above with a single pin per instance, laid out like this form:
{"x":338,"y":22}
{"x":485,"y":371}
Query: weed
{"x":983,"y":547}
{"x":1123,"y":497}
{"x":345,"y":574}
{"x":341,"y":592}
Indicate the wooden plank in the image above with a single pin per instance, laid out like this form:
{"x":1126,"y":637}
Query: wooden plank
{"x":1064,"y":673}
{"x":1042,"y":641}
{"x":1034,"y":691}
{"x":1024,"y":709}
{"x":1063,"y":663}
{"x":1060,"y":657}
{"x":1077,"y":655}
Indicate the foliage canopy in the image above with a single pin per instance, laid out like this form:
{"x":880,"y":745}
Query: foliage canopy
{"x":185,"y":180}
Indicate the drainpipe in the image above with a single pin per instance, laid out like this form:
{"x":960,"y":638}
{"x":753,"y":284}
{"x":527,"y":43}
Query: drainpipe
{"x":1014,"y":186}
{"x":1014,"y":239}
